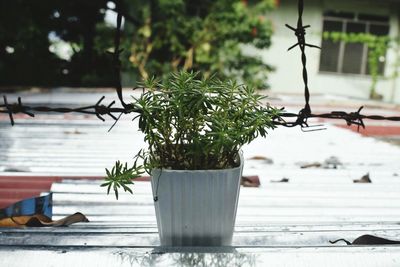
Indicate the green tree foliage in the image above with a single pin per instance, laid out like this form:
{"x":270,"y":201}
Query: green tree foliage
{"x":25,"y":56}
{"x":24,"y":47}
{"x":81,"y":23}
{"x":159,"y":36}
{"x":205,"y":36}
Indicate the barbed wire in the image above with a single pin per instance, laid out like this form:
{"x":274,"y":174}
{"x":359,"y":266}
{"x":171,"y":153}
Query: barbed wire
{"x":98,"y":109}
{"x":299,"y":119}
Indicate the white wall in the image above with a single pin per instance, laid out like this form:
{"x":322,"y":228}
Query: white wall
{"x":288,"y":75}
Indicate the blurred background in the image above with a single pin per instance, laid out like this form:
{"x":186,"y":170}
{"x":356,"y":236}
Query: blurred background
{"x":65,"y":43}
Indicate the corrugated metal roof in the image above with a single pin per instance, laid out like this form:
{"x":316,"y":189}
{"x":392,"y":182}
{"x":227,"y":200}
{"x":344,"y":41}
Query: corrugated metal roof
{"x":278,"y":224}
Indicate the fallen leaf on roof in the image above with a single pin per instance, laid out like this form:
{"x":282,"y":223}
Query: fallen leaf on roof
{"x":283,"y":180}
{"x":364,"y":179}
{"x":367,"y":240}
{"x":262,"y":158}
{"x":16,"y":169}
{"x":40,"y":220}
{"x":250,"y":181}
{"x":310,"y":165}
{"x":330,"y":163}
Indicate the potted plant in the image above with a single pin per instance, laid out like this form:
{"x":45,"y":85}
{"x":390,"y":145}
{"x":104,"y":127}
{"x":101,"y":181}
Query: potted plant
{"x":195,"y":128}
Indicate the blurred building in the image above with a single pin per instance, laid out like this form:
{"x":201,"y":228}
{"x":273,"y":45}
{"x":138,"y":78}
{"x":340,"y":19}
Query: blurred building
{"x":339,"y":68}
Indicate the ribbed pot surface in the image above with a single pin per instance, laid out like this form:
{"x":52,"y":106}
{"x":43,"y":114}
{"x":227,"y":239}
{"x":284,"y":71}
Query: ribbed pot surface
{"x":196,"y":208}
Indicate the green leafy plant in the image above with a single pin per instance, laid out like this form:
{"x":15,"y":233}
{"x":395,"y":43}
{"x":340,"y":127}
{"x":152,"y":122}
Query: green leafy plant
{"x":194,"y":123}
{"x":377,"y":47}
{"x":120,"y":176}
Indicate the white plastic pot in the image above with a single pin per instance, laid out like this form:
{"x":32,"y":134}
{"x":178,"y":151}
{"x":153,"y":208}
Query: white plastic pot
{"x":196,"y":208}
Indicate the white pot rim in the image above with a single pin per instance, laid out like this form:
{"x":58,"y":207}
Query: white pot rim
{"x":205,"y":170}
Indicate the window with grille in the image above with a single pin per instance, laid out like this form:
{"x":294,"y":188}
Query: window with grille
{"x":341,"y":57}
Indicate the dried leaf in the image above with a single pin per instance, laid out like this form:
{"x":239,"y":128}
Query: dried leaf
{"x":40,"y":220}
{"x":368,"y":240}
